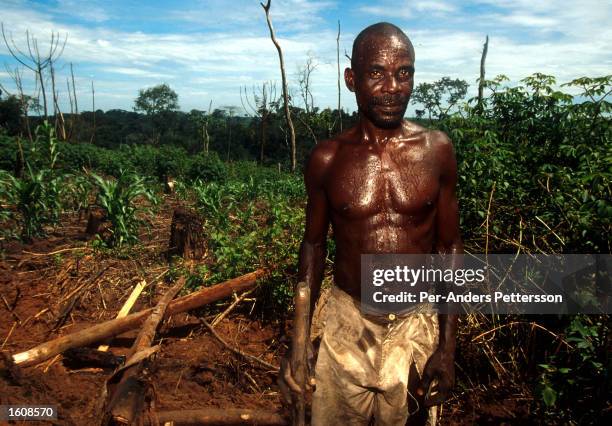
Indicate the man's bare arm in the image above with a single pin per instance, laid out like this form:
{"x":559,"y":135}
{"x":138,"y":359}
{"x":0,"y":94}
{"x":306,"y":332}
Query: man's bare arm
{"x":447,"y":227}
{"x":312,"y":253}
{"x":441,"y":363}
{"x":314,"y":245}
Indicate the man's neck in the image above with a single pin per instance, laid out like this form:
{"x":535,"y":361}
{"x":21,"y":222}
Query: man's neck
{"x":370,"y":133}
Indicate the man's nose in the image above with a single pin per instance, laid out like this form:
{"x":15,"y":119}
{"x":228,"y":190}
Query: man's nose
{"x":390,"y":85}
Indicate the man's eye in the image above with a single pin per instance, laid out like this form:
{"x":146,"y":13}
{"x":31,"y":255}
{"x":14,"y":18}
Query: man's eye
{"x":375,"y":74}
{"x":404,"y":73}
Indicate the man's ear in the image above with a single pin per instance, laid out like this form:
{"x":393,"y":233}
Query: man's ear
{"x":349,"y":79}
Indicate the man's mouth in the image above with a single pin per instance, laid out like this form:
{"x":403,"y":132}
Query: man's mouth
{"x":390,"y":108}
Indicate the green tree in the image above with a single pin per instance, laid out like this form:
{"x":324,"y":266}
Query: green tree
{"x":159,"y":103}
{"x":10,"y":114}
{"x":441,"y":96}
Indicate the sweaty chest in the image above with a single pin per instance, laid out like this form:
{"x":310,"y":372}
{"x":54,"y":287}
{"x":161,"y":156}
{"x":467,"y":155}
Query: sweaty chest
{"x":364,"y":183}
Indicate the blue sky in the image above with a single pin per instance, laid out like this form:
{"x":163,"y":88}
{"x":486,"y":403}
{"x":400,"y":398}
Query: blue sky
{"x":207,"y":49}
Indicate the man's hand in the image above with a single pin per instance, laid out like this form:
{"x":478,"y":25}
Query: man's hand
{"x":288,"y":385}
{"x":439,"y":366}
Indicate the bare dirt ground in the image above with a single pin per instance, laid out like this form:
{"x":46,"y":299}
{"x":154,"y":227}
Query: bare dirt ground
{"x":192,"y":369}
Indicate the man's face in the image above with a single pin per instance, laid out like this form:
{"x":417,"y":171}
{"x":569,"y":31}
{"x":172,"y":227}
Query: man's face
{"x":382,"y":80}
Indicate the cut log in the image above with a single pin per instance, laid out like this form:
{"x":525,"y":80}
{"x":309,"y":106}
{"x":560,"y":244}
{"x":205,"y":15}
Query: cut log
{"x":127,"y":404}
{"x":219,"y":417}
{"x":117,"y":326}
{"x":186,"y":235}
{"x":96,"y":218}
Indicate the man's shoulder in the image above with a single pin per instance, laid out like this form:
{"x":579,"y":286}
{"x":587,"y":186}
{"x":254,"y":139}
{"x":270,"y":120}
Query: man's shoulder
{"x":322,"y":155}
{"x":320,"y":160}
{"x":432,"y":136}
{"x":435,"y":140}
{"x":324,"y":152}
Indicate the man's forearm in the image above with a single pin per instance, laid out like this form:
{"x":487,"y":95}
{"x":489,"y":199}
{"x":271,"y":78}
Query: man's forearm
{"x":311,"y":267}
{"x":447,"y":322}
{"x":448,"y":332}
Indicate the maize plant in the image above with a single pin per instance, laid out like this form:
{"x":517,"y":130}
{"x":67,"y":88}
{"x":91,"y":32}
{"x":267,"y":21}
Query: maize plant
{"x":32,"y":201}
{"x":118,"y":198}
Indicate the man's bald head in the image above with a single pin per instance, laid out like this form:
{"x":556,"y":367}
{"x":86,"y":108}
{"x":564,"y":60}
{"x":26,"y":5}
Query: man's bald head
{"x":370,"y":37}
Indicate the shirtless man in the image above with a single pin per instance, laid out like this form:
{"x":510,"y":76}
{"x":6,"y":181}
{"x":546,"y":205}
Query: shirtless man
{"x":386,"y":186}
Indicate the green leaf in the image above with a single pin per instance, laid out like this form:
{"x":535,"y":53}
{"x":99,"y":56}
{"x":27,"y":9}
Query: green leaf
{"x":549,"y":395}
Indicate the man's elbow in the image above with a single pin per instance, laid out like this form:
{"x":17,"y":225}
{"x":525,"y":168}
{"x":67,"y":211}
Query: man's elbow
{"x":313,"y":244}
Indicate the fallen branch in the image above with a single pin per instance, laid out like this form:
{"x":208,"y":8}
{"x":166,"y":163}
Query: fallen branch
{"x":57,"y":251}
{"x":117,"y":326}
{"x":235,"y":303}
{"x":219,"y":416}
{"x":237,"y":351}
{"x":128,"y":305}
{"x":126,"y":405}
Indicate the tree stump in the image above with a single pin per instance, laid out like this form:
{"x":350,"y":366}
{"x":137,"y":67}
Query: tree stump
{"x":169,"y":185}
{"x":186,"y":235}
{"x":96,"y":218}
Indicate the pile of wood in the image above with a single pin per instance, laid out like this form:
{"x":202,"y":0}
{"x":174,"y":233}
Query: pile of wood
{"x":126,"y":397}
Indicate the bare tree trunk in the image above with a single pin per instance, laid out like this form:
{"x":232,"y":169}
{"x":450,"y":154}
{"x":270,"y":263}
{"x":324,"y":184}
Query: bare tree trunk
{"x":71,"y":121}
{"x":481,"y":81}
{"x":75,"y":113}
{"x":229,"y":139}
{"x":93,"y":110}
{"x":266,"y":8}
{"x":338,"y":60}
{"x":76,"y":105}
{"x":20,"y":163}
{"x":263,"y":139}
{"x":205,"y":129}
{"x":60,"y":125}
{"x":205,"y":137}
{"x":42,"y":89}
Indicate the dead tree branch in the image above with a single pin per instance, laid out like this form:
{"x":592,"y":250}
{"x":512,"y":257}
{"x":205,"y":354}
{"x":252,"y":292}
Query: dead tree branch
{"x":266,"y":8}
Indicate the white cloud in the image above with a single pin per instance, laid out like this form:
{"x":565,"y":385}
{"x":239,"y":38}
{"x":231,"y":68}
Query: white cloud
{"x":389,"y":9}
{"x":289,"y":15}
{"x":434,"y":6}
{"x":525,"y":20}
{"x":386,"y":12}
{"x":137,"y":72}
{"x":229,"y":46}
{"x":88,"y":12}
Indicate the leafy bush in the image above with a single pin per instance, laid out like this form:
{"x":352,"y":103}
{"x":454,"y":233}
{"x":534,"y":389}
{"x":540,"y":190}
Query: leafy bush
{"x":206,"y":167}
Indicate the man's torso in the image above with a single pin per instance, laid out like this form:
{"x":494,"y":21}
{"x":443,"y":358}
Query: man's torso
{"x":382,"y":198}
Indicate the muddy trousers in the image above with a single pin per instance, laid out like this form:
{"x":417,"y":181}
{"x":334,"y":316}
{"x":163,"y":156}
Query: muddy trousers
{"x":364,"y":368}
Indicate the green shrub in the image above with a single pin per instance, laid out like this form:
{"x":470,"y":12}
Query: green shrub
{"x":206,"y":167}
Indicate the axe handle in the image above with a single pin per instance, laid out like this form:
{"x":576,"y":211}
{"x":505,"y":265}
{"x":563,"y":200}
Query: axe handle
{"x":301,"y":334}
